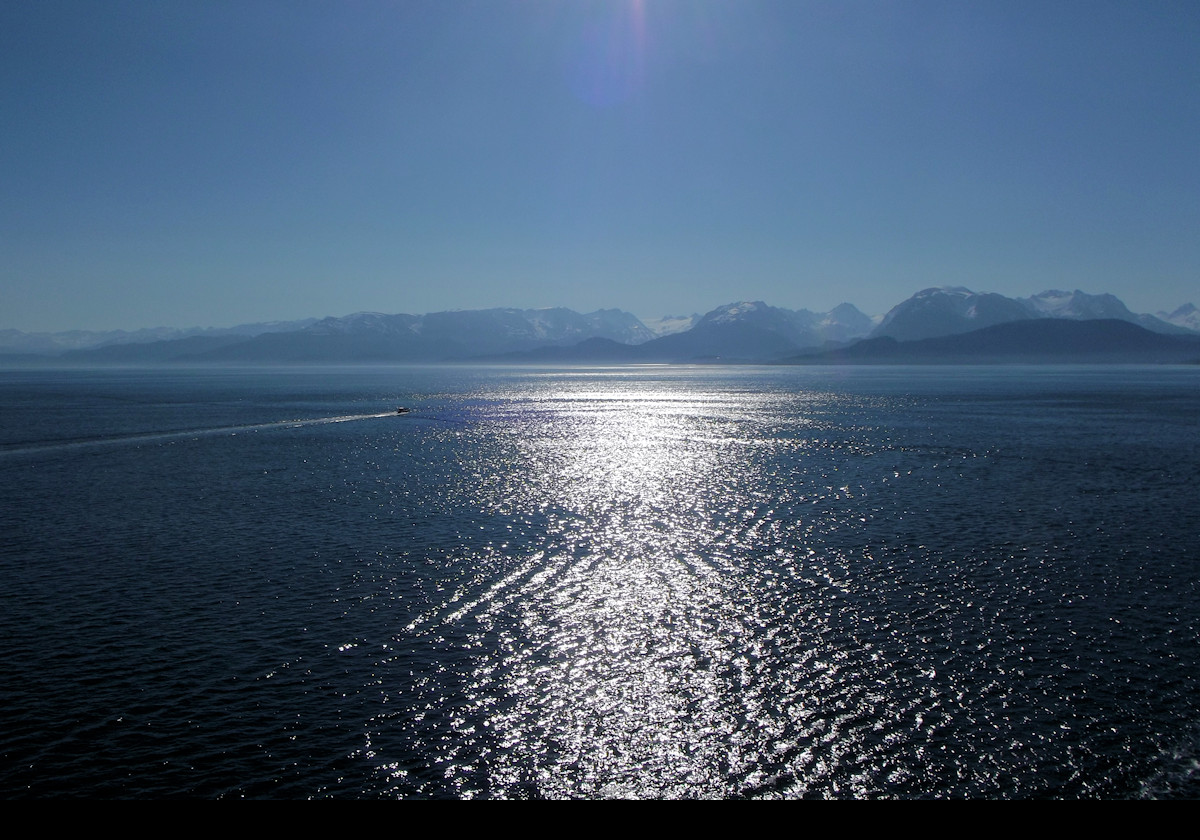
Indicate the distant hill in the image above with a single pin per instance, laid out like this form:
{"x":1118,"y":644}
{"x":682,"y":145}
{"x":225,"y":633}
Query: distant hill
{"x":1042,"y":340}
{"x":438,"y":336}
{"x":376,"y":337}
{"x":51,"y":344}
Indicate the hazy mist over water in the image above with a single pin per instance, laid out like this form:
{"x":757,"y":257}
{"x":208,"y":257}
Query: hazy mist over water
{"x":600,"y":582}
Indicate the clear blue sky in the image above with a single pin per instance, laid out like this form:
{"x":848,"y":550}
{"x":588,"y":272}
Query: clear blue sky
{"x":211,"y":163}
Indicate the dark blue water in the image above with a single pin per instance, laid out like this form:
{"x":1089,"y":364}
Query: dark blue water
{"x":651,"y":582}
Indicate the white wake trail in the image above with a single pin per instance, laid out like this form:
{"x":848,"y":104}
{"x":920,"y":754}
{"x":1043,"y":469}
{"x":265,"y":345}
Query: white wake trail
{"x":152,"y":437}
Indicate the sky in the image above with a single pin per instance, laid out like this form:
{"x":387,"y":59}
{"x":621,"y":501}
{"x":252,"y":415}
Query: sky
{"x":210,"y":163}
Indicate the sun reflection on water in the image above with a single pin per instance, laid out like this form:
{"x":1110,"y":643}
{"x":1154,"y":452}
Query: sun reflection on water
{"x":629,"y":670}
{"x":675,"y":601}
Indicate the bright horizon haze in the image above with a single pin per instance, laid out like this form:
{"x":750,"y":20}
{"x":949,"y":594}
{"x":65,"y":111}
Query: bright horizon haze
{"x":207,"y":164}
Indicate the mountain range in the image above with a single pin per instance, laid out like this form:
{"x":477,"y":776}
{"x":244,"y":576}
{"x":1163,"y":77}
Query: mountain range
{"x":936,"y":324}
{"x":949,"y":310}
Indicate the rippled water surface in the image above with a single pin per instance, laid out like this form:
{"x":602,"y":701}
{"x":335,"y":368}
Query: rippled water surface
{"x":633,"y":582}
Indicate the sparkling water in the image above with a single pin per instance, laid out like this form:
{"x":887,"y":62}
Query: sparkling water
{"x":600,"y":582}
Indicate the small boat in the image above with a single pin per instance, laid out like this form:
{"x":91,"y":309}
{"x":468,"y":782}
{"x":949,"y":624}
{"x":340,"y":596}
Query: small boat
{"x":403,"y":410}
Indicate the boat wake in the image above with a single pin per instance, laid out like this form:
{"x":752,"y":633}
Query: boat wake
{"x":154,"y":437}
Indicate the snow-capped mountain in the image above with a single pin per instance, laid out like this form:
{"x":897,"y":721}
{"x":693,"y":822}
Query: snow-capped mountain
{"x":670,"y":324}
{"x":947,"y":310}
{"x":801,"y":327}
{"x":1186,"y":316}
{"x":1080,"y":306}
{"x":367,"y":322}
{"x":952,"y":310}
{"x":498,"y":326}
{"x":848,"y":320}
{"x":754,"y":331}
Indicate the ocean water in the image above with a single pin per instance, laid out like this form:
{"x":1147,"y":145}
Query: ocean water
{"x":628,"y":582}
